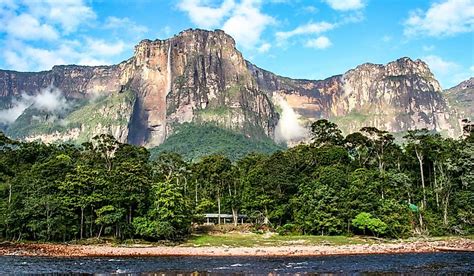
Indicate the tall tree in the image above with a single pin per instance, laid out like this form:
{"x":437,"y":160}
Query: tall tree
{"x":418,"y":141}
{"x":325,"y":132}
{"x":380,"y":141}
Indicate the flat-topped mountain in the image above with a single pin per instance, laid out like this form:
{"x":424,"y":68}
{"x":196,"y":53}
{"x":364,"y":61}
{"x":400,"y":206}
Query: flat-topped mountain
{"x":199,"y":76}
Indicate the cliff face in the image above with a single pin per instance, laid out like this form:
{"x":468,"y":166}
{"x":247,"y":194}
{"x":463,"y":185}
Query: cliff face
{"x":74,"y":81}
{"x":399,"y":96}
{"x":194,"y":76}
{"x":199,"y":76}
{"x":461,"y":97}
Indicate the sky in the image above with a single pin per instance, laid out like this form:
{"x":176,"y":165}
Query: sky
{"x":294,"y":38}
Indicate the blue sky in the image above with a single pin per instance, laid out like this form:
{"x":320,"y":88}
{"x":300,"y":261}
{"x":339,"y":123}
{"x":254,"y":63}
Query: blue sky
{"x":294,"y":38}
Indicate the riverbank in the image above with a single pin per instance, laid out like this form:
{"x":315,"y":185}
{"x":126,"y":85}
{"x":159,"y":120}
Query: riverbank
{"x":290,"y":249}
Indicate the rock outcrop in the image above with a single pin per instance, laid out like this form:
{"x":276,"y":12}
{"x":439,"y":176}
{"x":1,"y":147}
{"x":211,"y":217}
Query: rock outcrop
{"x":194,"y":76}
{"x":399,"y":96}
{"x":461,"y":97}
{"x":200,"y":76}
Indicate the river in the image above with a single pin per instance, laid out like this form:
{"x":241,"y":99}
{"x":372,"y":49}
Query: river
{"x":436,"y":263}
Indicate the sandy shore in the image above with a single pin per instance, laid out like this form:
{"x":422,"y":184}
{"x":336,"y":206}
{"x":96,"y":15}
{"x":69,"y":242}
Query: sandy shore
{"x":64,"y":250}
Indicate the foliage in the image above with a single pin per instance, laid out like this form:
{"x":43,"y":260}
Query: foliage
{"x":113,"y":110}
{"x":363,"y":183}
{"x":325,"y":133}
{"x":365,"y":221}
{"x":194,"y":141}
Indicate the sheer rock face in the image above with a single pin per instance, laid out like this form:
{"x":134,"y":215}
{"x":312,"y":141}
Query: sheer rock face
{"x":200,"y":76}
{"x":75,"y":81}
{"x":399,"y":96}
{"x":197,"y":76}
{"x":461,"y":97}
{"x":194,"y":76}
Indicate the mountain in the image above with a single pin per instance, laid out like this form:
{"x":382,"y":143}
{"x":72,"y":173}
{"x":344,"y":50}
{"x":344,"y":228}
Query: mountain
{"x":196,"y":76}
{"x":199,"y":76}
{"x":461,"y":97}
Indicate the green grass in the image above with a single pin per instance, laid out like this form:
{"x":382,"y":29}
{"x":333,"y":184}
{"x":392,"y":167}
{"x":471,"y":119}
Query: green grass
{"x":258,"y":240}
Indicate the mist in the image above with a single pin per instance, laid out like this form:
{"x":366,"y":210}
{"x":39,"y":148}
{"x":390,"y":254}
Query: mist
{"x":9,"y":115}
{"x":49,"y":100}
{"x":289,"y":127}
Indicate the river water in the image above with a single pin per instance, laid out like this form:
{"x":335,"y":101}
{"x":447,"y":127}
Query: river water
{"x":416,"y":263}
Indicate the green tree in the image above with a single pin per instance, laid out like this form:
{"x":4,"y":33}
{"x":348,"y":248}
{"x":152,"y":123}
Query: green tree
{"x":365,"y":221}
{"x":325,"y":133}
{"x":379,"y":142}
{"x":215,"y":173}
{"x":106,"y":216}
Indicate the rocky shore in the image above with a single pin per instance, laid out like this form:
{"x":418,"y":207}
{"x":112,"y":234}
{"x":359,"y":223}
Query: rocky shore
{"x":69,"y":250}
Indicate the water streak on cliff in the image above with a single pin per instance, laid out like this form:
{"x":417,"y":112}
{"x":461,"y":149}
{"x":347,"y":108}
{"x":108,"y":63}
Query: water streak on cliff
{"x":168,"y":70}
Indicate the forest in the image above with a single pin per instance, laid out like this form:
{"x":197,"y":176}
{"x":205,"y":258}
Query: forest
{"x":192,"y":141}
{"x":365,"y":183}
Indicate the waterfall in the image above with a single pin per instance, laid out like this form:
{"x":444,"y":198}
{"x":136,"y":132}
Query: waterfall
{"x":168,"y":68}
{"x":289,"y":126}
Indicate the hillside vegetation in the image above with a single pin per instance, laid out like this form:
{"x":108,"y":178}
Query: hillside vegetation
{"x":102,"y":113}
{"x":193,"y":141}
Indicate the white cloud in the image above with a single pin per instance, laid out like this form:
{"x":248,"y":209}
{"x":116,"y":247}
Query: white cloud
{"x":440,"y":66}
{"x":354,"y":17}
{"x":15,"y":61}
{"x":102,"y":48}
{"x":43,"y":19}
{"x":471,"y":68}
{"x":9,"y":115}
{"x":7,"y":4}
{"x":39,"y":34}
{"x":310,"y":28}
{"x":345,"y":5}
{"x":321,"y":42}
{"x":321,"y":27}
{"x":448,"y":73}
{"x":125,"y":24}
{"x":27,"y":27}
{"x":91,"y":61}
{"x":49,"y":99}
{"x":36,"y":35}
{"x":69,"y":14}
{"x":6,"y":12}
{"x":247,"y":23}
{"x":265,"y":47}
{"x":243,"y":19}
{"x":44,"y":58}
{"x":204,"y":15}
{"x":445,"y":18}
{"x":23,"y":57}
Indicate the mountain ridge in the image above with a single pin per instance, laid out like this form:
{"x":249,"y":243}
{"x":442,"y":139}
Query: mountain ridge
{"x":200,"y":76}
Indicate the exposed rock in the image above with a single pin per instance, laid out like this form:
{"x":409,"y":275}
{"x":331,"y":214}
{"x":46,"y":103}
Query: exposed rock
{"x":461,"y":97}
{"x":399,"y":96}
{"x":199,"y":76}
